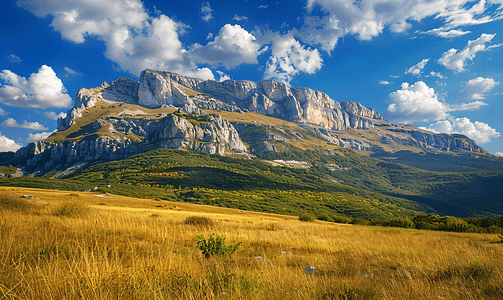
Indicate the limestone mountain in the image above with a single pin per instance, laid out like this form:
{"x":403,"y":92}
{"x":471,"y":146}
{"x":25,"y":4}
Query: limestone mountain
{"x":167,"y":110}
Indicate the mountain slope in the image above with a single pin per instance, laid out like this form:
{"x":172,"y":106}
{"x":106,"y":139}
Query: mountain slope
{"x":304,"y":130}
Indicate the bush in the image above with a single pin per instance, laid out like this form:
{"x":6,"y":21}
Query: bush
{"x":199,"y":221}
{"x":400,"y":222}
{"x":306,"y":217}
{"x":215,"y":244}
{"x":341,"y":219}
{"x":325,"y":217}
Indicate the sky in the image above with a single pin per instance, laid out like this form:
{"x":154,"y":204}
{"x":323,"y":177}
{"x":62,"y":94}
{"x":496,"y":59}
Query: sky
{"x":436,"y":64}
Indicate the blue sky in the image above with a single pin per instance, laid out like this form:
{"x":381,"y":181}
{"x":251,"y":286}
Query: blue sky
{"x":436,"y":64}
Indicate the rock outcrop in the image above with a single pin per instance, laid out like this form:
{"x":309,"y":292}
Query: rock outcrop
{"x":212,"y":136}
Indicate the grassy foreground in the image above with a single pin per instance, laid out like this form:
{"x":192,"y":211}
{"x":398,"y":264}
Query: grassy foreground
{"x":67,"y":245}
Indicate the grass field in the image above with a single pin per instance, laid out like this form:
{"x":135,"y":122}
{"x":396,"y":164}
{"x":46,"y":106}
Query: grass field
{"x":68,"y":245}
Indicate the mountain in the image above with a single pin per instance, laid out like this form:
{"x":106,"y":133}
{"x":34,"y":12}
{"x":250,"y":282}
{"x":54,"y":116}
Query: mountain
{"x":286,"y":126}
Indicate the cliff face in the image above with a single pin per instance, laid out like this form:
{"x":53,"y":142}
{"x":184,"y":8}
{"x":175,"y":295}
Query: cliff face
{"x":268,"y":97}
{"x":212,"y":136}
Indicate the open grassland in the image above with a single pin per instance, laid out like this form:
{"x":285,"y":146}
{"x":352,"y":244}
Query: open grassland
{"x":64,"y":245}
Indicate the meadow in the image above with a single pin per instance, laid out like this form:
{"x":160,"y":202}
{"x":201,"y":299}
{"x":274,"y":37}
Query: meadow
{"x":68,"y":245}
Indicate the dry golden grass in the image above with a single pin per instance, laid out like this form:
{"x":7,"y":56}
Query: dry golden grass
{"x":125,"y":248}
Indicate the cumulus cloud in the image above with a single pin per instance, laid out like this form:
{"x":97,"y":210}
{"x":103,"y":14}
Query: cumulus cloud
{"x":500,"y":154}
{"x":480,"y":132}
{"x":10,"y":122}
{"x":232,"y":46}
{"x":206,"y":12}
{"x":367,"y":18}
{"x":289,"y":57}
{"x":416,"y":102}
{"x":385,"y":82}
{"x":417,"y":68}
{"x":420,"y":103}
{"x":476,"y":88}
{"x":7,"y":144}
{"x":14,"y":58}
{"x":3,"y":112}
{"x":41,"y":90}
{"x":223,"y":76}
{"x":454,"y":60}
{"x":53,"y":116}
{"x":38,"y":137}
{"x":133,"y":39}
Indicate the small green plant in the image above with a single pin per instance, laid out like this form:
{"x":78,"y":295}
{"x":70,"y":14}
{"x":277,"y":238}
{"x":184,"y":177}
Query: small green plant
{"x":215,"y":244}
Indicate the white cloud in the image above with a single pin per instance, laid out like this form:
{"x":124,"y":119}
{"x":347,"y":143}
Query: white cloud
{"x":240,"y":18}
{"x":206,"y":12}
{"x":480,"y":132}
{"x":416,"y":102}
{"x":10,"y":122}
{"x":454,"y":60}
{"x":223,"y":76}
{"x":133,"y":39}
{"x":417,"y":68}
{"x":14,"y":58}
{"x":476,"y":88}
{"x":436,"y":74}
{"x":53,"y":116}
{"x":7,"y":144}
{"x":385,"y":82}
{"x":289,"y":58}
{"x":468,"y":106}
{"x":38,"y":137}
{"x":3,"y":112}
{"x":263,"y":6}
{"x":232,"y":46}
{"x":367,"y":18}
{"x":500,"y":154}
{"x":42,"y":89}
{"x":420,"y":103}
{"x":71,"y":72}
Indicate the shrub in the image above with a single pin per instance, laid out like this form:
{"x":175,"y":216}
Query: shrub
{"x":325,"y":217}
{"x":306,"y":217}
{"x":341,"y":219}
{"x":400,"y":222}
{"x":198,"y":221}
{"x":215,"y":244}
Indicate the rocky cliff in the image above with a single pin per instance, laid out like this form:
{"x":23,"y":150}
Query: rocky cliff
{"x":267,"y":97}
{"x":197,"y":132}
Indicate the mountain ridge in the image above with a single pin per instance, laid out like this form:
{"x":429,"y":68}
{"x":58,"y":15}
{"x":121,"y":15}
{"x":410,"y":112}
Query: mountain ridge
{"x":125,"y":117}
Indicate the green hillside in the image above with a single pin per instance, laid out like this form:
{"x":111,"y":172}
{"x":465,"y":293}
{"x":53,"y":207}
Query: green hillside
{"x":347,"y":184}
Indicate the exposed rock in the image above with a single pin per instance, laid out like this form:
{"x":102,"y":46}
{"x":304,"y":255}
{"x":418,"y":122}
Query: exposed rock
{"x":445,"y":142}
{"x":278,"y":100}
{"x":170,"y":131}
